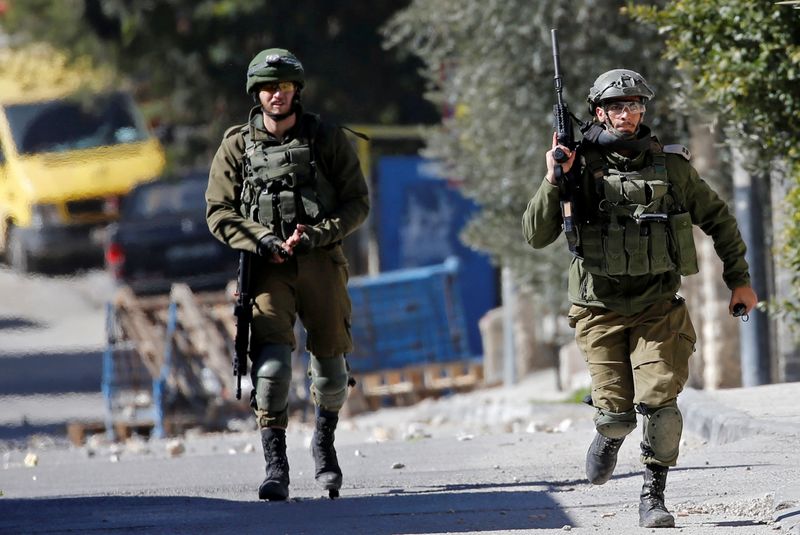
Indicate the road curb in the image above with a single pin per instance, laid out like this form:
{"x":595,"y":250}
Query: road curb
{"x":719,"y":424}
{"x":787,"y":509}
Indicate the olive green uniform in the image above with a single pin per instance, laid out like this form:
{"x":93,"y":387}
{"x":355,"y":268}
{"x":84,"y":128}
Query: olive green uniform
{"x":313,"y":282}
{"x":634,"y":331}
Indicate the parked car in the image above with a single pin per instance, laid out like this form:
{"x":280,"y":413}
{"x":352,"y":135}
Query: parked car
{"x":69,"y":150}
{"x":162,"y":237}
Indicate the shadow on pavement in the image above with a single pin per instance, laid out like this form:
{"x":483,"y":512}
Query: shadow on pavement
{"x":23,"y":431}
{"x":448,"y":512}
{"x":51,"y":373}
{"x":16,"y":323}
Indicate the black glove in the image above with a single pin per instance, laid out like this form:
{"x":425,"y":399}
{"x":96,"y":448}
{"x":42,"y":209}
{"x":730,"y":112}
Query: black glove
{"x":270,"y":245}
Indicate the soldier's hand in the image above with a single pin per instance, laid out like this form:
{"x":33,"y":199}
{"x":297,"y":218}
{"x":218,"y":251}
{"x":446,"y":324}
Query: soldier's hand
{"x":294,"y":239}
{"x":551,"y":160}
{"x":744,"y":295}
{"x":273,"y":248}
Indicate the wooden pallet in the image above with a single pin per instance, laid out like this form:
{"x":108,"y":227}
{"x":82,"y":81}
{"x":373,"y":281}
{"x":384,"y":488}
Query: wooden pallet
{"x":410,"y":384}
{"x":78,"y":431}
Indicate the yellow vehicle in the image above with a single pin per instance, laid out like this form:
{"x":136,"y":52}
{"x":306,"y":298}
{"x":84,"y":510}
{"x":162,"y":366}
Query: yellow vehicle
{"x":70,"y":148}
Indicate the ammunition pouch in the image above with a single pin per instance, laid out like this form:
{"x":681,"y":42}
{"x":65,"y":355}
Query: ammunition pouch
{"x":283,"y":186}
{"x":680,"y":225}
{"x":641,"y":227}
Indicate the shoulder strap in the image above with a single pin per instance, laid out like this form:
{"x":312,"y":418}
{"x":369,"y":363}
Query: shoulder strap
{"x":249,"y":143}
{"x":312,"y":124}
{"x":660,"y":163}
{"x":248,"y":131}
{"x":597,"y":167}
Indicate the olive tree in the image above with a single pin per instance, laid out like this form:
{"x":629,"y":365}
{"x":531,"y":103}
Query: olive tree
{"x":740,"y":61}
{"x":489,"y":68}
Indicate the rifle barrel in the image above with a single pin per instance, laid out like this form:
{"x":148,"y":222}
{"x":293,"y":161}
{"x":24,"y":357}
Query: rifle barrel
{"x":557,"y":64}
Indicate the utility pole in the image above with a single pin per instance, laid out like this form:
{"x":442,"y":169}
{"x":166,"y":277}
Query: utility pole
{"x":509,"y":296}
{"x":749,"y":199}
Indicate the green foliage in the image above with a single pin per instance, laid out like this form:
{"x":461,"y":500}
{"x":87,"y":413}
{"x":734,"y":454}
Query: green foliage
{"x":188,"y":58}
{"x":741,"y":60}
{"x":790,"y":250}
{"x":742,"y":57}
{"x":489,"y":68}
{"x":578,"y":396}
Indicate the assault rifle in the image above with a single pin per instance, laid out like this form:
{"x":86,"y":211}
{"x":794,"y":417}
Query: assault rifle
{"x":562,"y":124}
{"x":243,"y":311}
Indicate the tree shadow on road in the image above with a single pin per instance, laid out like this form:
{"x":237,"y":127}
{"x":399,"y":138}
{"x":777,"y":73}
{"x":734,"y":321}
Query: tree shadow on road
{"x":449,"y":512}
{"x":16,"y":323}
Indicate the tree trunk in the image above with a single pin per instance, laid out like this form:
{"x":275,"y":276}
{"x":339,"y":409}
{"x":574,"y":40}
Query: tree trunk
{"x":716,"y":363}
{"x":787,"y":352}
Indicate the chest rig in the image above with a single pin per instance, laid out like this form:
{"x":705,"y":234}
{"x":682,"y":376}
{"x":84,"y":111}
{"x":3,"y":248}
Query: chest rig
{"x":638,"y":225}
{"x":282,"y":184}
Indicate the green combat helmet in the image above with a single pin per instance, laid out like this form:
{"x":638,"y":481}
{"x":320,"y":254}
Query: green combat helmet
{"x":274,"y":65}
{"x":618,"y":83}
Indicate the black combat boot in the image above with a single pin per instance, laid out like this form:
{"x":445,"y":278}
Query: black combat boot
{"x":652,"y":511}
{"x":276,"y":484}
{"x":601,"y":459}
{"x":328,"y":474}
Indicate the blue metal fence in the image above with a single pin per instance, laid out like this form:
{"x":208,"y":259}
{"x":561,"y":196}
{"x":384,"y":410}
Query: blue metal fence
{"x":408,"y":317}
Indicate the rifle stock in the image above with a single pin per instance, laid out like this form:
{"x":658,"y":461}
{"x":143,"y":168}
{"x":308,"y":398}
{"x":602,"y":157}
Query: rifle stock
{"x":243,"y":311}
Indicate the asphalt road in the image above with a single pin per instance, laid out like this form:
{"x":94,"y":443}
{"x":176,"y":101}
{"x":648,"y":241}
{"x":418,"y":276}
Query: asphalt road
{"x":497,"y":482}
{"x":496,"y":461}
{"x":52,"y":333}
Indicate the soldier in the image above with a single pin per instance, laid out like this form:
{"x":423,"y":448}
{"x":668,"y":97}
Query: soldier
{"x":636,"y":203}
{"x":288,"y":187}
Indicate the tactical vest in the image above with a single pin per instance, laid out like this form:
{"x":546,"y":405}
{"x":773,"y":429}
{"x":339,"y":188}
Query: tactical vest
{"x":282,"y":184}
{"x":639,"y":225}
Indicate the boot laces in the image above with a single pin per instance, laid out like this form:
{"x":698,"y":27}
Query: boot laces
{"x":609,"y":445}
{"x":653,"y":490}
{"x":277,"y":455}
{"x":323,"y":441}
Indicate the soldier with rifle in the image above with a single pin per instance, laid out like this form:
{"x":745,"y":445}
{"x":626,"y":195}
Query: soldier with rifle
{"x":285,"y":188}
{"x":631,"y":203}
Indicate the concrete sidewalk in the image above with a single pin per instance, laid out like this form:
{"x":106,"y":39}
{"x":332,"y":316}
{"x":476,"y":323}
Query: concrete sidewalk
{"x":722,"y":416}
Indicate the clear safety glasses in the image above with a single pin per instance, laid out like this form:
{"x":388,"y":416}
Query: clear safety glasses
{"x":617,"y":108}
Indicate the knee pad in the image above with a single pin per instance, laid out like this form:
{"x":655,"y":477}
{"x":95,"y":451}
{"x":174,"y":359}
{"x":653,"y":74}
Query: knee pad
{"x":272,"y":377}
{"x":662,"y":434}
{"x":615,"y":424}
{"x":329,"y":378}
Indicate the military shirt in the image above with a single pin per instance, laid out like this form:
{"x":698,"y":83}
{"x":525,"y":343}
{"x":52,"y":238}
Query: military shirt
{"x":336,"y":160}
{"x":625,"y":294}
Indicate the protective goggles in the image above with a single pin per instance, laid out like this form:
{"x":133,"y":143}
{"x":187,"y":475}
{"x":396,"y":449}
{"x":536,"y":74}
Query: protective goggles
{"x":617,"y":108}
{"x":274,"y":87}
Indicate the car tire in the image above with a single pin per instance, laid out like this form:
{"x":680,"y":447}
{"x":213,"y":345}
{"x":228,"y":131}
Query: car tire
{"x":17,"y":255}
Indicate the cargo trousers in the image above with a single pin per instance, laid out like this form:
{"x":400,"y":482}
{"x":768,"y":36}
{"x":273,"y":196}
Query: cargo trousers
{"x":311,"y":286}
{"x":638,"y":361}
